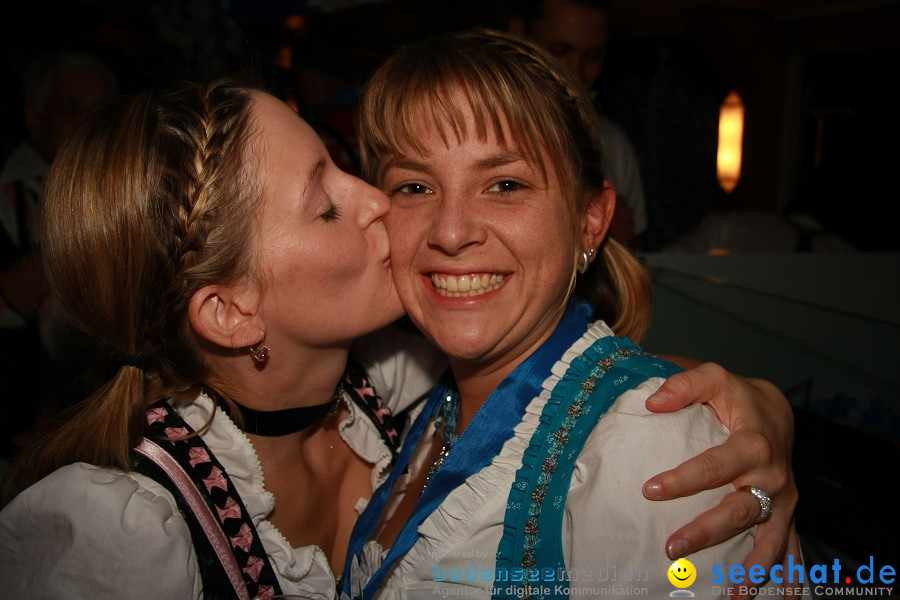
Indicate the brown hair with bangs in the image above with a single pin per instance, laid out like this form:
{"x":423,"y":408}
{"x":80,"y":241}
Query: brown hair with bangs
{"x":548,"y":115}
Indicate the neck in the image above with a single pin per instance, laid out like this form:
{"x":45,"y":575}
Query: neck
{"x":284,"y":382}
{"x":476,"y":380}
{"x":475,"y":385}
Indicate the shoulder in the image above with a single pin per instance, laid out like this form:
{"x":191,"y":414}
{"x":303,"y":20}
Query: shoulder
{"x":608,"y":380}
{"x":627,"y":444}
{"x":629,"y":427}
{"x":81,"y":488}
{"x":98,"y":531}
{"x":606,"y":510}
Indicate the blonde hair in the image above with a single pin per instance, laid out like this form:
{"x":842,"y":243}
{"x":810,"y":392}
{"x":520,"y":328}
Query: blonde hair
{"x":506,"y":78}
{"x":150,"y":200}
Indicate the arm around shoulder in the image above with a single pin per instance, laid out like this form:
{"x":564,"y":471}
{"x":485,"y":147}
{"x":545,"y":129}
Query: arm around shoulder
{"x":83,"y":531}
{"x":612,"y":528}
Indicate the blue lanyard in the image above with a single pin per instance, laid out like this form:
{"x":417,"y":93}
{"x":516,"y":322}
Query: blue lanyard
{"x":482,"y":440}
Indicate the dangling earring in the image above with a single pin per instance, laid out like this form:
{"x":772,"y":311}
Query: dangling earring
{"x":260,"y":352}
{"x":585,"y":261}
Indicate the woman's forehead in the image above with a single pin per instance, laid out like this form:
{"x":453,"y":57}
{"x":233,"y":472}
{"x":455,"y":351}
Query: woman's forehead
{"x":462,"y":120}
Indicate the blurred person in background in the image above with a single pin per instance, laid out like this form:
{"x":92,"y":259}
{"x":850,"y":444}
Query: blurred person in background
{"x":577,"y":33}
{"x":60,"y":89}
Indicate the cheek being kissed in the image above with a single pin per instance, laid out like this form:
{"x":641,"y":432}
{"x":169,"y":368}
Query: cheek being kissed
{"x":482,"y":247}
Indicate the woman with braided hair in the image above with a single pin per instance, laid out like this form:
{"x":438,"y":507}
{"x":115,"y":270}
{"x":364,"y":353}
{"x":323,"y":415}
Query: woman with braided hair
{"x":203,"y":237}
{"x":521,"y":476}
{"x":205,"y":240}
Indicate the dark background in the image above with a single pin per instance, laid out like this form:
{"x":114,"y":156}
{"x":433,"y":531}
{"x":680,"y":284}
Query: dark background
{"x":818,"y":79}
{"x":816,"y":76}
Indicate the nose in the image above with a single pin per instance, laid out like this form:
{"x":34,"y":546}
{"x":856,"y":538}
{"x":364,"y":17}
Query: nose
{"x":455,"y":225}
{"x":375,"y":204}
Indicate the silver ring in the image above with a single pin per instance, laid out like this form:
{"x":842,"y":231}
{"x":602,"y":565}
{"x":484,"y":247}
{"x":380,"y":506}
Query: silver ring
{"x":765,"y":502}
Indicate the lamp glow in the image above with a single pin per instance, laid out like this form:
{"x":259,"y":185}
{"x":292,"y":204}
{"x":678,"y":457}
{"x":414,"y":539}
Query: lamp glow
{"x":731,"y":134}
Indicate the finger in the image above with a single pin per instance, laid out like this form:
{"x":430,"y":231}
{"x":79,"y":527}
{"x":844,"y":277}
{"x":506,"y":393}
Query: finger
{"x":770,"y":548}
{"x":710,"y":469}
{"x":772,"y":538}
{"x":736,"y":512}
{"x":696,"y":386}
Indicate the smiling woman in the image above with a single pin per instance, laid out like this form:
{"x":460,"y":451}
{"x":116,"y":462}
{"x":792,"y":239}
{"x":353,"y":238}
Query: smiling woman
{"x":475,"y":209}
{"x":234,"y":439}
{"x":531,"y":453}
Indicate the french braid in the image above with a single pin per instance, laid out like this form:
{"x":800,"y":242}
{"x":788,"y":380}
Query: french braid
{"x":149,"y":201}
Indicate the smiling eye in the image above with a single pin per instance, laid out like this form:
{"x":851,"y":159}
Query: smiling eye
{"x":413,"y":189}
{"x":506,"y":186}
{"x":332,"y":214}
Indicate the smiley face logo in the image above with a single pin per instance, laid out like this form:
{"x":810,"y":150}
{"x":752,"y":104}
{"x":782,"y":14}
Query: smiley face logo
{"x":682,"y":573}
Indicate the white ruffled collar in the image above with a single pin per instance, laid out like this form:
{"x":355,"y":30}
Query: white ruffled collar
{"x":451,"y":523}
{"x":305,"y":569}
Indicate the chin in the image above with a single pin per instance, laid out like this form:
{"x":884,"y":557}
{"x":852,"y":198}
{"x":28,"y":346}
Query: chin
{"x":460,"y":347}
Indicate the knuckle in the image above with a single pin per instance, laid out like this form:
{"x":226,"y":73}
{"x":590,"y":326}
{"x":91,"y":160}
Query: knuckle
{"x":698,"y":535}
{"x":782,"y":480}
{"x":679,"y":382}
{"x":714,"y":370}
{"x":759,"y":447}
{"x":710,"y":467}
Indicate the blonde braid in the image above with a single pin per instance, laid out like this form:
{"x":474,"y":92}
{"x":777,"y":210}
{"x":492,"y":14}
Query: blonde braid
{"x":158,"y":183}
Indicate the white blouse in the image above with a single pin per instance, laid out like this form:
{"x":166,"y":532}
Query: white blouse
{"x":89,"y":532}
{"x":613,"y":538}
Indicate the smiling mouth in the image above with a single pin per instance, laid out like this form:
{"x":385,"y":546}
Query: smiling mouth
{"x":463,"y":286}
{"x":686,"y":577}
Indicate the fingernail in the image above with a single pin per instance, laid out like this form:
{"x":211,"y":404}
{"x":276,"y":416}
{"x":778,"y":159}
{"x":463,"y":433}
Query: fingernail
{"x":652,"y":490}
{"x":677,"y":549}
{"x":658,"y":398}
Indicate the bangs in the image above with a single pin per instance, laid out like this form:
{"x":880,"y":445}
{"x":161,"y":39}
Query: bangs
{"x":439,"y":90}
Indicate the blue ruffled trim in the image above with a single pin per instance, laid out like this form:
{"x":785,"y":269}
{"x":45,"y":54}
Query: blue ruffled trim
{"x":562,"y":397}
{"x":565,"y":389}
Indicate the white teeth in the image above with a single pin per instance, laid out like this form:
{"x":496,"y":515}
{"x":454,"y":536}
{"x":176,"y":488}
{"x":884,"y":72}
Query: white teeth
{"x":457,"y":286}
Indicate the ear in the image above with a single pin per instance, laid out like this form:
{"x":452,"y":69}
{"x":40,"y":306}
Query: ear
{"x":598,"y":215}
{"x":227,"y":315}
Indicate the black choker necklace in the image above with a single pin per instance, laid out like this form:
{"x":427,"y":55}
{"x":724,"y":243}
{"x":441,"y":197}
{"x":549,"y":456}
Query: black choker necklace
{"x":273,"y":423}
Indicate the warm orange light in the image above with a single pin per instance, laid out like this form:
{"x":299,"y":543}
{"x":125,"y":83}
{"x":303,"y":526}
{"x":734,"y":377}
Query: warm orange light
{"x":731,"y":134}
{"x":284,"y":57}
{"x":295,"y":22}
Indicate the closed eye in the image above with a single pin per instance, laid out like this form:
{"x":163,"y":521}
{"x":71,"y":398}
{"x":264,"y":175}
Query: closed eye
{"x":333,"y":213}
